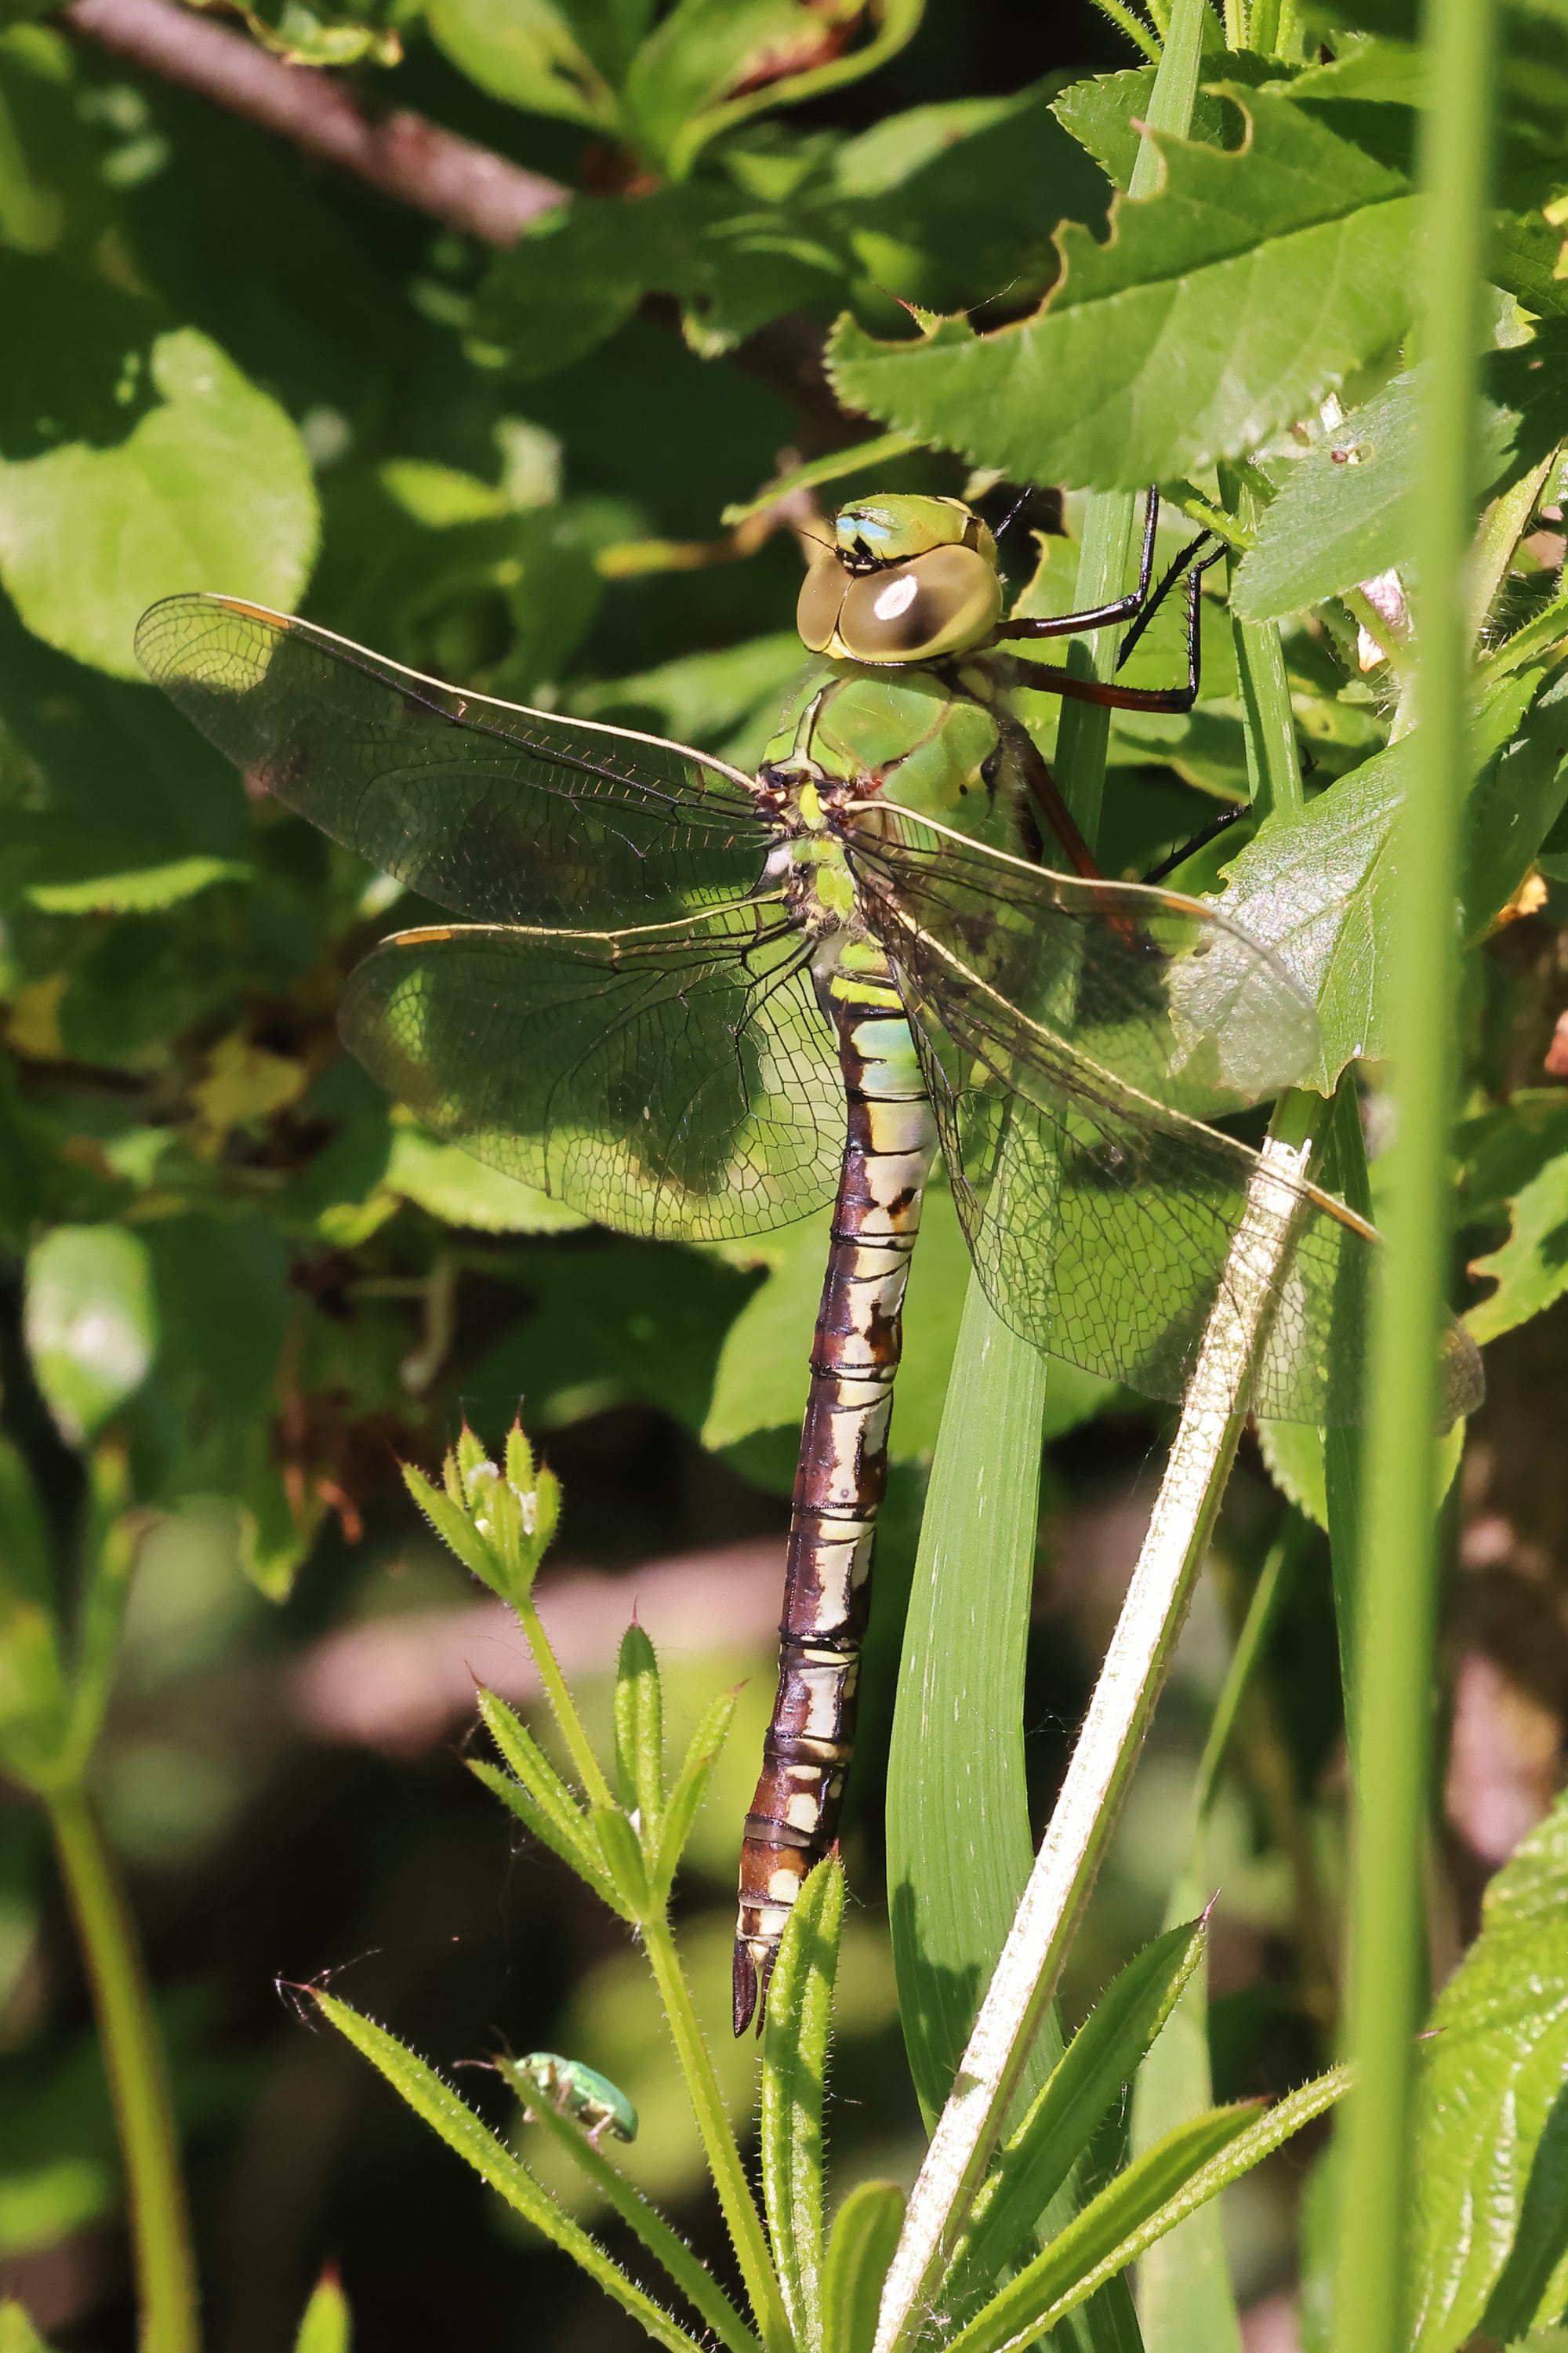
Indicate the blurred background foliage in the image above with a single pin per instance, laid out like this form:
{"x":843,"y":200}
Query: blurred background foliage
{"x":229,"y":1267}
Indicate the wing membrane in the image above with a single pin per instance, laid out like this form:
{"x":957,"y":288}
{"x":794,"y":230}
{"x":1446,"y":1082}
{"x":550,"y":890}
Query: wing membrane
{"x":677,"y":1083}
{"x":500,"y":813}
{"x":1064,"y":1030}
{"x":1149,"y":986}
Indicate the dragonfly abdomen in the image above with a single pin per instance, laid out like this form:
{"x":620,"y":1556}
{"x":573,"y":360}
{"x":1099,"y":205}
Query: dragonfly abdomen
{"x":843,"y":1468}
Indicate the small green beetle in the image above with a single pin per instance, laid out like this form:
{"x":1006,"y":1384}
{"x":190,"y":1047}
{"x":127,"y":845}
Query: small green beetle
{"x":574,"y":2090}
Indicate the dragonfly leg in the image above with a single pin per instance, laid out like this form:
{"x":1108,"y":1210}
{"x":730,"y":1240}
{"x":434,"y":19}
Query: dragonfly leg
{"x":1049,"y":678}
{"x":1097,"y":617}
{"x":842,"y":1474}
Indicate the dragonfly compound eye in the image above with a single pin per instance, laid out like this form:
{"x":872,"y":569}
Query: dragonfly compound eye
{"x":938,"y":603}
{"x":821,"y":594}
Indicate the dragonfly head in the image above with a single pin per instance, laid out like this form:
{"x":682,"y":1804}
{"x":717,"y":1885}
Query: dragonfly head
{"x":906,"y":580}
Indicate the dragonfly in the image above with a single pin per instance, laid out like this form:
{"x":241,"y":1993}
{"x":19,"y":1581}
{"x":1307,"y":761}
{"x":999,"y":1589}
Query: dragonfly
{"x":699,"y":1003}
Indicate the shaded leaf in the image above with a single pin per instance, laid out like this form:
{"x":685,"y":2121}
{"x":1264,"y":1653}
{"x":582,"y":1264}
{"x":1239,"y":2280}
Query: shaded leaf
{"x":1179,"y":340}
{"x":1491,"y":2124}
{"x":533,"y":55}
{"x":462,"y":1191}
{"x":1530,"y":1269}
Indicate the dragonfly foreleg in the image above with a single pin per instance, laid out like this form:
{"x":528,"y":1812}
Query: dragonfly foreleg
{"x":843,"y":1467}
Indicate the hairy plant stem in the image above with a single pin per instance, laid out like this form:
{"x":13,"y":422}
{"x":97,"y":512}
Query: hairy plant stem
{"x":138,"y":2079}
{"x":741,"y":2218}
{"x":1396,"y":1580}
{"x":562,"y":1706}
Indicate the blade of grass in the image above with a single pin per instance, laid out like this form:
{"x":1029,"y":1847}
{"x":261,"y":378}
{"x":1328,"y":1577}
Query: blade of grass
{"x":1130,"y":1683}
{"x":958,"y":1841}
{"x":1396,"y":1581}
{"x":467,"y":2135}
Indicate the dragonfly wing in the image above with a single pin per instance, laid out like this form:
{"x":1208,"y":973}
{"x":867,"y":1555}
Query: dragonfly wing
{"x":500,"y":813}
{"x":1150,"y":987}
{"x":677,"y":1083}
{"x":1103,"y":1218}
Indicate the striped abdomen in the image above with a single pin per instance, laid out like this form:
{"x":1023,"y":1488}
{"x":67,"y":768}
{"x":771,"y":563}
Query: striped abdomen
{"x":842,"y":1460}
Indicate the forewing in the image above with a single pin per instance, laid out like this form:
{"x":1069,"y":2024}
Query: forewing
{"x":500,"y":813}
{"x":678,"y":1083}
{"x":1150,"y":987}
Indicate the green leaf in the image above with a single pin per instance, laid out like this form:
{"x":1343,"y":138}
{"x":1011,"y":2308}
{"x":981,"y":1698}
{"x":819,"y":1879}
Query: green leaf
{"x":732,"y":262}
{"x":1320,"y":889}
{"x":574,"y":1848}
{"x":623,"y":1861}
{"x":532,"y":55}
{"x":1185,"y":2302}
{"x":712,"y":63}
{"x":1293,"y":1453}
{"x":326,"y":2326}
{"x":859,"y":2249}
{"x":1104,"y":112}
{"x":1344,"y":512}
{"x":1490,"y":2165}
{"x":1081,"y":2091}
{"x":794,"y":2073}
{"x":90,"y":1321}
{"x":462,"y":1191}
{"x":726,"y":701}
{"x":468,"y":2136}
{"x":26,"y":1566}
{"x":1161,"y":2189}
{"x":1530,"y":1269}
{"x":639,"y":1732}
{"x":1200,"y":293}
{"x":164,"y":468}
{"x":701,"y":1756}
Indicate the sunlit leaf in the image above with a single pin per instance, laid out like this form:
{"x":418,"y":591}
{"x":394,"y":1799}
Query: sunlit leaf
{"x":795,"y":2070}
{"x":166,"y":469}
{"x":1493,"y":2122}
{"x":326,"y":2326}
{"x":92,"y":1323}
{"x":859,"y":2249}
{"x":1179,"y":341}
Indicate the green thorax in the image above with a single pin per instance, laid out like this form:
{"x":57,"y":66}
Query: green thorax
{"x":915,"y":735}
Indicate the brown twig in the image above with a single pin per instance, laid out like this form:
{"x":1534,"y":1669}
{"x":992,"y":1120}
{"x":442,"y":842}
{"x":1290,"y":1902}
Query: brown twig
{"x":403,"y":155}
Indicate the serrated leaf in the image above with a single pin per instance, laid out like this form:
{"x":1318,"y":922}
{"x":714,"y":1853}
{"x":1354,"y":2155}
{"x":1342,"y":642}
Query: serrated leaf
{"x":1345,"y":511}
{"x":623,"y":1859}
{"x":799,"y":2019}
{"x":1488,"y":2126}
{"x":1087,"y":2081}
{"x":859,"y":2250}
{"x":534,"y":1770}
{"x":1320,"y":889}
{"x":639,"y":1731}
{"x":325,"y":2326}
{"x":1179,"y":341}
{"x":1104,"y":114}
{"x":452,"y":2119}
{"x":165,"y":469}
{"x":1530,"y":1269}
{"x":90,"y":1321}
{"x":453,"y":1526}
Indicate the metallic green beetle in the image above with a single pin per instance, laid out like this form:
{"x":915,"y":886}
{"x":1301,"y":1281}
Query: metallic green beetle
{"x":574,"y":2090}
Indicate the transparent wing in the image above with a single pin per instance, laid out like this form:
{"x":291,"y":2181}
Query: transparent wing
{"x":677,"y":1083}
{"x":503,"y":814}
{"x":1149,"y":986}
{"x":1102,"y":1218}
